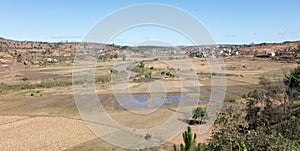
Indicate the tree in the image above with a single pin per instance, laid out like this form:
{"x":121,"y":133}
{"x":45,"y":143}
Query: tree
{"x":19,"y":58}
{"x":189,"y":141}
{"x":142,"y":64}
{"x":270,"y":120}
{"x":148,"y":75}
{"x":199,"y":113}
{"x":292,"y":80}
{"x":231,"y":135}
{"x":272,"y":114}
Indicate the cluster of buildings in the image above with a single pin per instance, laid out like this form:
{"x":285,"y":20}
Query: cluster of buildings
{"x":213,"y":51}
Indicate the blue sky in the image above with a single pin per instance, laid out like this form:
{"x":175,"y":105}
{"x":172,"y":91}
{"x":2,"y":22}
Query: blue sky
{"x":232,"y":21}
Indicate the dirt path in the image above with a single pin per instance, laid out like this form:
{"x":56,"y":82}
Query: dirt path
{"x":41,"y":133}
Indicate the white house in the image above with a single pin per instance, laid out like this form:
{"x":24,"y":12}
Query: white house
{"x":271,"y":54}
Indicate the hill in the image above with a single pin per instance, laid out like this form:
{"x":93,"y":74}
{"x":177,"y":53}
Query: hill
{"x":21,"y":54}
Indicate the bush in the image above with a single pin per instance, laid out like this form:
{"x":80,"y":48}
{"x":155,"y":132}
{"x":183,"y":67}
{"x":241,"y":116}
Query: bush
{"x":293,"y":79}
{"x":199,"y":113}
{"x":270,"y":121}
{"x":25,"y":79}
{"x":148,"y":136}
{"x":231,"y":100}
{"x":104,"y":79}
{"x":19,"y":58}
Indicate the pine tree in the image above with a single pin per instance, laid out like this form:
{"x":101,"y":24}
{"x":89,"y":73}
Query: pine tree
{"x":189,"y":141}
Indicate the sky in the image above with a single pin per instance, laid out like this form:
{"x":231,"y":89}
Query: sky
{"x":228,"y":22}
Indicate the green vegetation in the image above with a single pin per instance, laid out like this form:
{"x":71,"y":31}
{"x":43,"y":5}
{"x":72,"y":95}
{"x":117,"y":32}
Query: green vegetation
{"x":148,"y":72}
{"x":103,"y":79}
{"x":115,"y":75}
{"x":43,"y":84}
{"x":25,"y":84}
{"x":293,"y":80}
{"x":148,"y":136}
{"x":199,"y":113}
{"x":229,"y":137}
{"x":25,"y":79}
{"x":138,"y":67}
{"x":19,"y":58}
{"x":142,"y":71}
{"x":189,"y":141}
{"x":270,"y":120}
{"x":53,"y":83}
{"x":231,"y":100}
{"x":168,"y":74}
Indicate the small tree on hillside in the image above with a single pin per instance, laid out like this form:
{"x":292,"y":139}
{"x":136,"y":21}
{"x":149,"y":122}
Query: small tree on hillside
{"x":189,"y":141}
{"x":292,"y":80}
{"x":142,"y":64}
{"x":199,"y":113}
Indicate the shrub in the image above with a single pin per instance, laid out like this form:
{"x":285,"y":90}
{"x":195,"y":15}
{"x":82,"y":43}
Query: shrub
{"x":25,"y":79}
{"x":148,"y":136}
{"x":199,"y":113}
{"x":19,"y":58}
{"x":231,"y":100}
{"x":104,"y":79}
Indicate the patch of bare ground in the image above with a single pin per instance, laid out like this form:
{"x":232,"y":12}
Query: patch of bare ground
{"x":41,"y":133}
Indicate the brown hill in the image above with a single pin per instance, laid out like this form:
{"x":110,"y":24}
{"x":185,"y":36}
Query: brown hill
{"x":271,"y":47}
{"x":22,"y":54}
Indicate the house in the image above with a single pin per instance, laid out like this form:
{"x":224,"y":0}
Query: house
{"x":271,"y":54}
{"x":52,"y":60}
